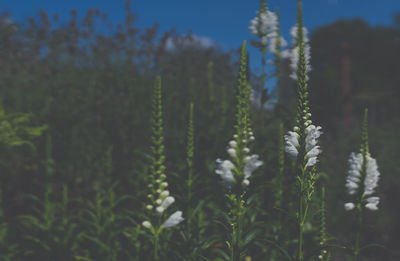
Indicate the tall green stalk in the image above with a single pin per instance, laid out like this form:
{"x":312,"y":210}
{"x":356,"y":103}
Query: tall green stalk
{"x":361,"y":196}
{"x":278,"y":58}
{"x":159,"y":197}
{"x":189,"y":162}
{"x":301,"y":143}
{"x":235,"y":174}
{"x":324,"y":254}
{"x":242,"y":126}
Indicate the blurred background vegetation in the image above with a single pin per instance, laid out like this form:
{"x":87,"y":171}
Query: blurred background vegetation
{"x":75,"y":122}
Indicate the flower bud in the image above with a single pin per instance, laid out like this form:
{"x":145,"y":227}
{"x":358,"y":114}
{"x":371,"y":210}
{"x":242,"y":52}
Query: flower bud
{"x":146,"y":224}
{"x":160,"y":210}
{"x":233,"y":144}
{"x":164,"y":185}
{"x":245,"y":182}
{"x":158,"y":201}
{"x":164,"y":194}
{"x":246,"y":150}
{"x":149,"y":207}
{"x":232,"y":152}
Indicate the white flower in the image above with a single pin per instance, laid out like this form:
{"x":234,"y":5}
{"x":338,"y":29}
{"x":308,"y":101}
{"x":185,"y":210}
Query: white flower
{"x":312,"y":149}
{"x":224,"y":169}
{"x":292,"y":142}
{"x":245,"y":182}
{"x":232,"y":152}
{"x":233,"y":144}
{"x":164,"y":194}
{"x":370,"y":180}
{"x":164,"y":185}
{"x":313,"y":133}
{"x":311,"y":161}
{"x":167,"y":202}
{"x":251,"y":165}
{"x":149,"y":207}
{"x":372,"y":203}
{"x":293,"y":33}
{"x":354,"y":175}
{"x":349,"y":206}
{"x":314,"y":152}
{"x":263,"y":24}
{"x":160,"y":210}
{"x":158,"y":201}
{"x":246,"y":150}
{"x":272,"y":43}
{"x":293,"y":54}
{"x":174,"y":219}
{"x":372,"y":176}
{"x":146,"y":224}
{"x":353,"y":178}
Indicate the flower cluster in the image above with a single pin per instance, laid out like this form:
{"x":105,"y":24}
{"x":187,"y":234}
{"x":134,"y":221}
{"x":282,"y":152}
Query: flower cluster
{"x":161,"y":202}
{"x":264,"y":26}
{"x":312,"y":150}
{"x":159,"y":196}
{"x":369,"y":178}
{"x":225,"y":168}
{"x":293,"y":54}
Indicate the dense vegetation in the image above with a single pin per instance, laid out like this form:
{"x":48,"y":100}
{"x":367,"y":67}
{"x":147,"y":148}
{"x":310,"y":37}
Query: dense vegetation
{"x":76,"y":128}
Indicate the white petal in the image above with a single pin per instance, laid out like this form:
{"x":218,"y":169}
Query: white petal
{"x":168,"y":201}
{"x":251,"y":166}
{"x":349,"y":206}
{"x":174,"y":219}
{"x":371,"y":206}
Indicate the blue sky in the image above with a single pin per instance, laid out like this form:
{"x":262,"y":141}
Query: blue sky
{"x":223,"y":21}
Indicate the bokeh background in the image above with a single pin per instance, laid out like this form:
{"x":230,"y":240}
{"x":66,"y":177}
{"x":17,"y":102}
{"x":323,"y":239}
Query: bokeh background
{"x":82,"y":72}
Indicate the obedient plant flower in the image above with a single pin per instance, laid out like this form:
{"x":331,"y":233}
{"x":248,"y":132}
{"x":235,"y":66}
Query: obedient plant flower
{"x":159,"y":197}
{"x":363,"y":175}
{"x":361,"y":182}
{"x":225,"y":167}
{"x":174,"y":219}
{"x":264,"y":25}
{"x":312,"y":150}
{"x":302,"y":143}
{"x":236,"y":172}
{"x":369,"y":176}
{"x":293,"y":53}
{"x":242,"y":164}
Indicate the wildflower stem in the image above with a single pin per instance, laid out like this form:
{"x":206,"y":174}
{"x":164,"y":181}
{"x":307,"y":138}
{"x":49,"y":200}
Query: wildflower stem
{"x":358,"y":230}
{"x":156,"y":237}
{"x":300,"y":226}
{"x":189,"y":161}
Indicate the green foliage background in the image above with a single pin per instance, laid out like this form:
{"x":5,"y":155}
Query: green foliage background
{"x":82,"y":196}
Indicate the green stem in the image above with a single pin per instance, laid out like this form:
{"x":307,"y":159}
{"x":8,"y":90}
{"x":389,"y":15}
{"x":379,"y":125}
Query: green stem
{"x":358,"y":230}
{"x":238,"y":227}
{"x":156,"y":257}
{"x":300,"y":226}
